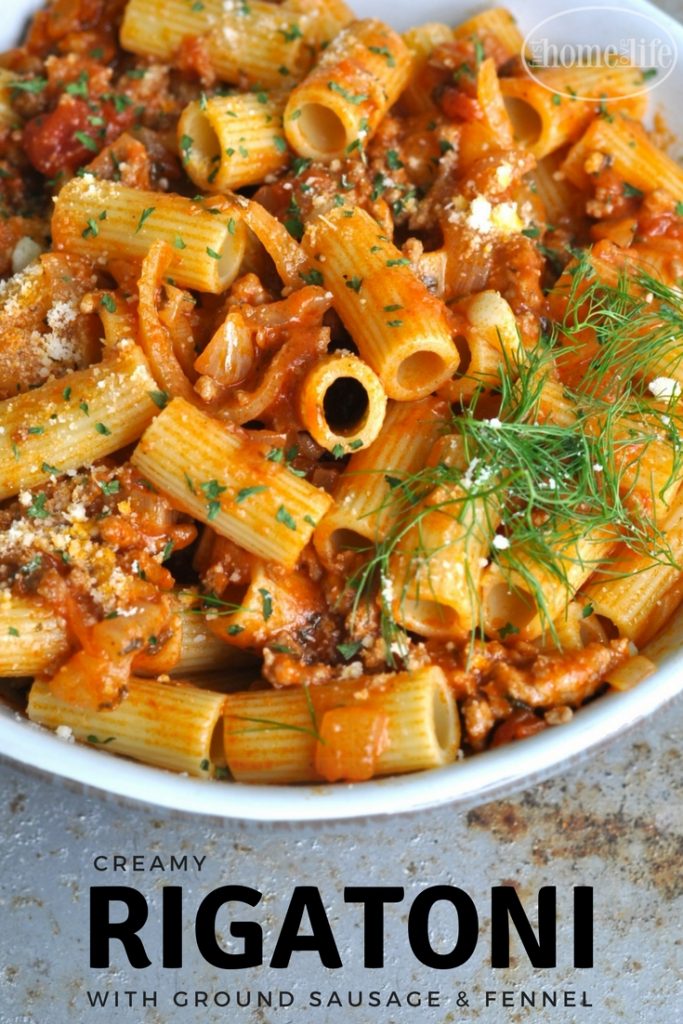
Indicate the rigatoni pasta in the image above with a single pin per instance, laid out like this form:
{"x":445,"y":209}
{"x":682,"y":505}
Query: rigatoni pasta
{"x":245,"y":496}
{"x":338,"y":107}
{"x":363,"y":505}
{"x":420,"y":720}
{"x":228,"y":142}
{"x":497,"y":23}
{"x":342,"y":403}
{"x":552,"y":109}
{"x":260,"y":41}
{"x":373,"y":288}
{"x":32,"y":638}
{"x":171,"y":725}
{"x":60,"y":426}
{"x":107,"y":220}
{"x":625,"y":144}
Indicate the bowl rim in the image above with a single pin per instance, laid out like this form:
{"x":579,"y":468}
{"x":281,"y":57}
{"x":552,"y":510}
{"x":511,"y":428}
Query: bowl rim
{"x":474,"y":780}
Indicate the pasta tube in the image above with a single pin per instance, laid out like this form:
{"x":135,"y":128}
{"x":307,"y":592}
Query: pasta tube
{"x":638,"y":593}
{"x":342,"y":403}
{"x":227,"y":142}
{"x":525,"y":596}
{"x":436,"y":570}
{"x":489,"y":340}
{"x":632,"y":672}
{"x":631,"y":154}
{"x":577,"y":627}
{"x":260,"y":42}
{"x":234,"y":487}
{"x":363,"y":509}
{"x":201,"y":651}
{"x":561,"y":200}
{"x":400,"y":329}
{"x":545,"y":114}
{"x":70,"y":422}
{"x":32,"y":637}
{"x":339,"y":106}
{"x":271,"y":736}
{"x":170,"y":725}
{"x":328,"y":17}
{"x":106,"y":220}
{"x":498,"y":24}
{"x":421,"y":41}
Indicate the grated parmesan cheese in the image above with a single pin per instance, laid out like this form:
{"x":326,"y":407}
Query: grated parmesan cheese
{"x":665,"y":388}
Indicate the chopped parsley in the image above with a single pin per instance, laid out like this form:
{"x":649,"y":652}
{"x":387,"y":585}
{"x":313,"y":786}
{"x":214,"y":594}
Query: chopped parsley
{"x":247,"y":492}
{"x":160,"y":398}
{"x":291,"y":33}
{"x":383,"y":51}
{"x":350,"y":97}
{"x":349,"y":650}
{"x":144,"y":216}
{"x":37,"y":508}
{"x":285,"y":517}
{"x":109,"y":487}
{"x":311,"y":277}
{"x":87,"y":141}
{"x":212,"y":491}
{"x":266,"y":603}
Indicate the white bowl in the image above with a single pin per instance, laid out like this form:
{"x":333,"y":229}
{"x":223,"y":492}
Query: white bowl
{"x":466,"y":782}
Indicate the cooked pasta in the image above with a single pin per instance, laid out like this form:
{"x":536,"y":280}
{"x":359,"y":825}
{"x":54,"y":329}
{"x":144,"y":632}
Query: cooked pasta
{"x":373,"y":287}
{"x":105,"y":220}
{"x":420,"y":726}
{"x":339,"y":106}
{"x":58,"y":427}
{"x":261,"y":42}
{"x":171,"y":725}
{"x":252,"y":500}
{"x":551,"y":110}
{"x":342,"y":403}
{"x":368,"y":456}
{"x":497,"y":23}
{"x":625,"y":146}
{"x":231,"y":141}
{"x":362,"y":509}
{"x":32,"y":638}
